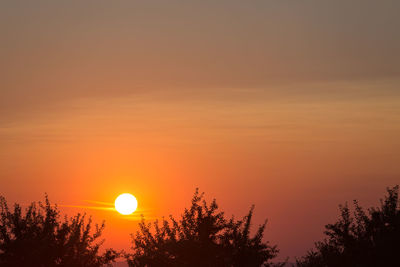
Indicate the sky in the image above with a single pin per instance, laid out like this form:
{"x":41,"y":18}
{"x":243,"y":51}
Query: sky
{"x":293,"y":106}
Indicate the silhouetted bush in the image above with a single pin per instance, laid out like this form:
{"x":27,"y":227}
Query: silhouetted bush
{"x":202,"y":237}
{"x":366,"y":239}
{"x":37,"y":237}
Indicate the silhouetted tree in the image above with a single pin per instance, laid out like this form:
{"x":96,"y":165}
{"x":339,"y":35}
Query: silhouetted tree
{"x":37,"y":237}
{"x":366,"y":239}
{"x":202,"y":237}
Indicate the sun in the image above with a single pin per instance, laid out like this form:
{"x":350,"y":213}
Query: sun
{"x":126,"y":204}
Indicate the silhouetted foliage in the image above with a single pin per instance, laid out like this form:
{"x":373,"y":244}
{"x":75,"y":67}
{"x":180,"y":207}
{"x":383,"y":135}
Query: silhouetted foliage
{"x":366,"y":239}
{"x":37,"y":237}
{"x":202,"y":237}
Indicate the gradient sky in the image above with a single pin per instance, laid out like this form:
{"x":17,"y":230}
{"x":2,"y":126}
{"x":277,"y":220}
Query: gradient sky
{"x":293,"y":106}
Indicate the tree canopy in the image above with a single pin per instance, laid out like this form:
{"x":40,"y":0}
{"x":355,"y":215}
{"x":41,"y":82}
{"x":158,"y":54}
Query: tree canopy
{"x":201,"y":237}
{"x":366,"y":238}
{"x":37,"y":237}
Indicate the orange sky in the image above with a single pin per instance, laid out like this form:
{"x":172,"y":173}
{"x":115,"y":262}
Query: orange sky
{"x":293,"y":107}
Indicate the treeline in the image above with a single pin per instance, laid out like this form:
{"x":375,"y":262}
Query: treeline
{"x":201,"y":236}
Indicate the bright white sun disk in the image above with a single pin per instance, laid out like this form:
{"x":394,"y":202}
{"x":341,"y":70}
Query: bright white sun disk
{"x":126,"y":204}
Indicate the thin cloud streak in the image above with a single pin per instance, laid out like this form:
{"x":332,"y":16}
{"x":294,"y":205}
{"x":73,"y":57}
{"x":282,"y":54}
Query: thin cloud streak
{"x":87,"y":207}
